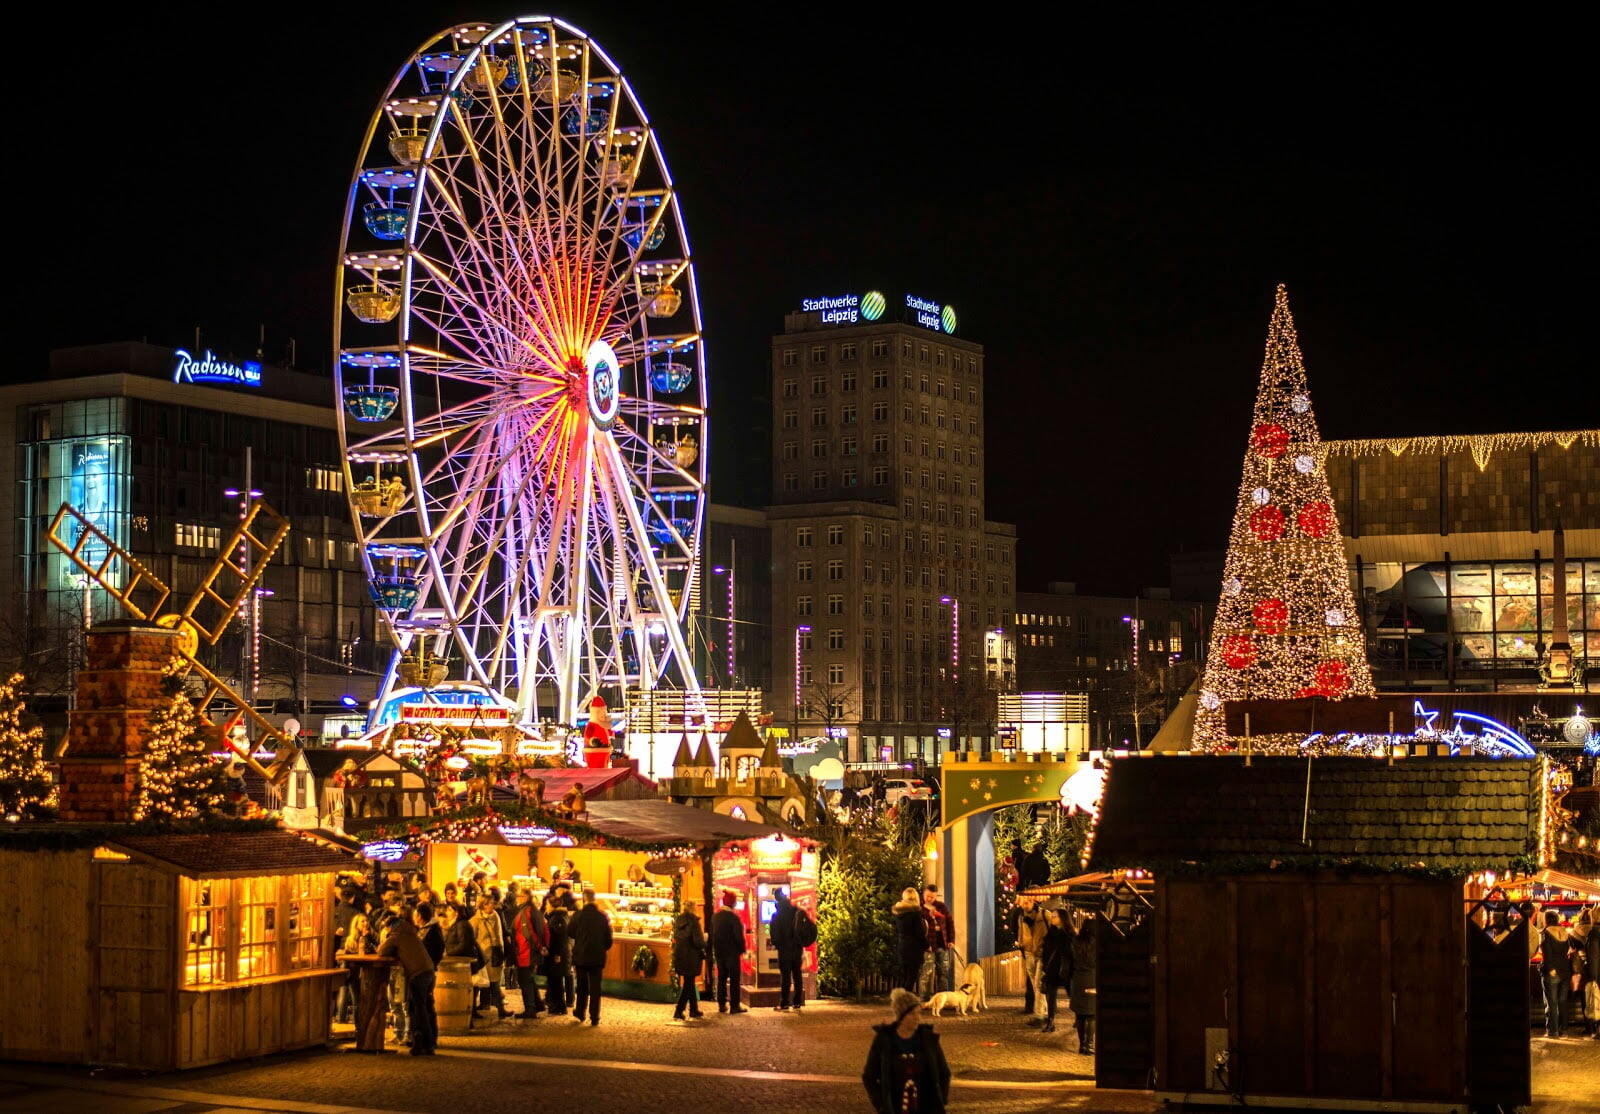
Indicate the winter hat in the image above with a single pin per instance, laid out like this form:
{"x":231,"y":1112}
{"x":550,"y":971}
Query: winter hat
{"x":902,"y":1002}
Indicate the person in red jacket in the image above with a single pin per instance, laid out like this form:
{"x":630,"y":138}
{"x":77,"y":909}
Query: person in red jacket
{"x":531,"y":939}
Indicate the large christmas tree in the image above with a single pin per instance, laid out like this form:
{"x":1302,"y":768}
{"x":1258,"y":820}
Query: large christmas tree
{"x":178,"y":778}
{"x":1286,"y":623}
{"x":24,"y":782}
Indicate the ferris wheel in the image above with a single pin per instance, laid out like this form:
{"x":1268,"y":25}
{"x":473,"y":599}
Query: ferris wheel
{"x":521,"y":373}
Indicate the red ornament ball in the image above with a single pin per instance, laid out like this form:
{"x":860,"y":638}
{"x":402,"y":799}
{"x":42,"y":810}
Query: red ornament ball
{"x":1266,"y":523}
{"x":1316,"y":519}
{"x":1270,"y":440}
{"x":1238,"y":651}
{"x":1271,"y":616}
{"x":1333,"y":678}
{"x":1309,"y":690}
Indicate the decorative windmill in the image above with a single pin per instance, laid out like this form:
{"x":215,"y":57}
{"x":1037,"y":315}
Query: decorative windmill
{"x":239,"y":566}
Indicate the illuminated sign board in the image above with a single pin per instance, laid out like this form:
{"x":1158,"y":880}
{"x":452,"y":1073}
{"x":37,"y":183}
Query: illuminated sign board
{"x":526,"y":836}
{"x":843,"y":310}
{"x":455,"y":715}
{"x":210,"y":369}
{"x":604,"y":396}
{"x":385,"y":850}
{"x":931,"y":315}
{"x":852,"y":309}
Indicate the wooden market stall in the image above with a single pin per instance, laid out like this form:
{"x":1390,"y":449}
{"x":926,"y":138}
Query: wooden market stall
{"x":162,"y":951}
{"x":1313,"y":940}
{"x":643,"y":857}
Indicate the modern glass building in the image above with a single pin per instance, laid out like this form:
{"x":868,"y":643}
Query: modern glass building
{"x":145,"y":442}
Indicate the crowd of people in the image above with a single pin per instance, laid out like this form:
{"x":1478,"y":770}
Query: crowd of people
{"x":1568,"y":958}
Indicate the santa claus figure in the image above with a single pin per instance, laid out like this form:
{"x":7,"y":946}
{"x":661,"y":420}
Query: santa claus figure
{"x":597,"y":736}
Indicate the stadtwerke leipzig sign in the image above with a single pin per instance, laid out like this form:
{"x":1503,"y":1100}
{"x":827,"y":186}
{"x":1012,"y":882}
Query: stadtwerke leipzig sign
{"x":850,"y":309}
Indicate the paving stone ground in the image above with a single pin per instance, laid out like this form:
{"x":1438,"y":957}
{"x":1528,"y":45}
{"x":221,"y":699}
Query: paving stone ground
{"x":639,"y":1062}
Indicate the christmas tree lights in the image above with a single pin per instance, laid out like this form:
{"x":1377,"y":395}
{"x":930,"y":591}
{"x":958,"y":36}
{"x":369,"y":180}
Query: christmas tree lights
{"x":24,"y":782}
{"x":1286,"y":624}
{"x":178,"y":778}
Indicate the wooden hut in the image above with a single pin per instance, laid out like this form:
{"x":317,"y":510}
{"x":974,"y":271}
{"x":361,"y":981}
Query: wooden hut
{"x":1312,"y":940}
{"x":161,"y":951}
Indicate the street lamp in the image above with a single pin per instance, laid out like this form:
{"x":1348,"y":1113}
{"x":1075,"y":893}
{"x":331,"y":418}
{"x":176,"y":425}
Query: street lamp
{"x":1133,"y":634}
{"x":799,"y":631}
{"x":955,"y":661}
{"x":727,"y":570}
{"x":250,"y":654}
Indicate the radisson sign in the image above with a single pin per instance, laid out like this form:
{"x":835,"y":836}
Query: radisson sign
{"x":210,"y":369}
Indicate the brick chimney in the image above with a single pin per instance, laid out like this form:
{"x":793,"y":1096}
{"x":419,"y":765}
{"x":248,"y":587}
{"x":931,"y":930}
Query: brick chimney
{"x":118,"y":689}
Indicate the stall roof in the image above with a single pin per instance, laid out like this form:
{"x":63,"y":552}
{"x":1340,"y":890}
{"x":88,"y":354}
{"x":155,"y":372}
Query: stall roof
{"x":596,"y":783}
{"x":264,"y":852}
{"x":1554,"y":879}
{"x":1430,"y":814}
{"x":655,"y":821}
{"x":1094,"y":880}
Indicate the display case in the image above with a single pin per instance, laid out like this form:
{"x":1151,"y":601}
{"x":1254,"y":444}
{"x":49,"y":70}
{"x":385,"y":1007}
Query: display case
{"x":640,"y":909}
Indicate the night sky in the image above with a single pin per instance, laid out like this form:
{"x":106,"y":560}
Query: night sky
{"x":1108,"y":205}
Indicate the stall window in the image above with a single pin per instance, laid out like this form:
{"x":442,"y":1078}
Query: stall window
{"x":205,"y":958}
{"x":307,"y":911}
{"x":258,"y":927}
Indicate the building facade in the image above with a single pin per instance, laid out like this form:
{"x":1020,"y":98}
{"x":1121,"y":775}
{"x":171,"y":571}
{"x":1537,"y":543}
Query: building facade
{"x":145,"y":442}
{"x":733,"y":636}
{"x":1451,"y":543}
{"x":887,"y":579}
{"x":1132,"y":656}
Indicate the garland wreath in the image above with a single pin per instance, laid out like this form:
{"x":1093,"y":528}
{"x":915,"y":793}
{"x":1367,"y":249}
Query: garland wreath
{"x":644,"y":962}
{"x":468,"y":824}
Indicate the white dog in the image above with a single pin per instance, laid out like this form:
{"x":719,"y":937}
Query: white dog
{"x":958,"y":1000}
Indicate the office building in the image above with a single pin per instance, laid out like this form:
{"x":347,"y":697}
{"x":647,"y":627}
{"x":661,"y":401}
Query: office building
{"x":888,"y":583}
{"x":145,"y":441}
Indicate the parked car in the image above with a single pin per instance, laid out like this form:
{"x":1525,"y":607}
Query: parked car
{"x":896,"y":789}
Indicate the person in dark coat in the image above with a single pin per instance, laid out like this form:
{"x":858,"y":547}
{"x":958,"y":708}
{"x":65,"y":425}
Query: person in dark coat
{"x":561,"y":894}
{"x":402,"y":943}
{"x":906,"y":1072}
{"x":784,"y":932}
{"x":590,"y":930}
{"x":556,"y":968}
{"x":728,"y":946}
{"x":688,"y":959}
{"x":1084,"y":995}
{"x":1055,"y":963}
{"x":430,"y":932}
{"x":911,"y":938}
{"x":460,"y":941}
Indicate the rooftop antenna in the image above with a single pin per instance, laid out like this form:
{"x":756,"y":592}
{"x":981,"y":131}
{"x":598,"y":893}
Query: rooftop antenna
{"x":291,"y":351}
{"x":261,"y":341}
{"x":197,"y":338}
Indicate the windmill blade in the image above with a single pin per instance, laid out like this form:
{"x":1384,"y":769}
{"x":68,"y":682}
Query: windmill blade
{"x":217,"y":687}
{"x":241,"y":564}
{"x":98,"y":556}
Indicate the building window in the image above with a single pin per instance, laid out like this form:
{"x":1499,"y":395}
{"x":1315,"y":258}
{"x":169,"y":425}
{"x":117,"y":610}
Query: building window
{"x":835,"y":534}
{"x":791,"y":356}
{"x":848,"y":352}
{"x":836,"y":677}
{"x":206,"y":951}
{"x":836,"y":570}
{"x":939,"y":357}
{"x":880,"y":411}
{"x":819,"y":417}
{"x":847,"y":381}
{"x":905,"y":349}
{"x":923,"y":415}
{"x":847,"y":447}
{"x":880,"y":379}
{"x":922,"y":356}
{"x":791,"y":419}
{"x":791,"y":450}
{"x":923,"y":384}
{"x":805,"y":675}
{"x":819,"y":450}
{"x":880,"y":475}
{"x":880,"y":442}
{"x":819,"y":355}
{"x":880,"y":346}
{"x":258,"y":926}
{"x":847,"y":415}
{"x":802,"y":537}
{"x":819,"y":385}
{"x":819,"y":481}
{"x":324,"y":479}
{"x":836,"y":638}
{"x":195,"y":536}
{"x":835,"y":604}
{"x":805,"y":641}
{"x":802,"y":570}
{"x":791,"y":388}
{"x":791,"y":481}
{"x":802,"y":606}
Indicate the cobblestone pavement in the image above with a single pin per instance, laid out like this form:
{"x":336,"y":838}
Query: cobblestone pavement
{"x":642,"y":1063}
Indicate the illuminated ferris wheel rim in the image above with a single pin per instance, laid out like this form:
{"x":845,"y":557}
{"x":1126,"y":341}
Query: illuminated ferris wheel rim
{"x":585,"y":372}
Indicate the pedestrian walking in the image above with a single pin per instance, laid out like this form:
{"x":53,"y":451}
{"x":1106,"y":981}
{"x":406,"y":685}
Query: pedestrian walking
{"x":911,"y":938}
{"x":1030,"y":929}
{"x":1084,"y":993}
{"x":402,"y":942}
{"x":590,"y":929}
{"x":1555,"y":968}
{"x":1055,"y":962}
{"x":492,"y":943}
{"x":530,"y":939}
{"x":792,"y":931}
{"x":941,"y":938}
{"x":556,"y":967}
{"x":728,"y":946}
{"x":906,"y":1072}
{"x":688,"y":959}
{"x":561,"y":892}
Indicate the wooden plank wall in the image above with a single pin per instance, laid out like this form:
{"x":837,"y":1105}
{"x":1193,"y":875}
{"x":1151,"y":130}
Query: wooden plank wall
{"x":45,"y":956}
{"x":135,"y":945}
{"x":253,"y":1020}
{"x":1125,"y":1019}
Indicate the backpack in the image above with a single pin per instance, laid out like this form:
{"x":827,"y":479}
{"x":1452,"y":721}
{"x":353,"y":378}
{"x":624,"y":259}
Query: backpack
{"x":805,"y":929}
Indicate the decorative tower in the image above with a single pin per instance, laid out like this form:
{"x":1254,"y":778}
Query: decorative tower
{"x":1556,"y":670}
{"x":119,"y":689}
{"x":1286,"y":624}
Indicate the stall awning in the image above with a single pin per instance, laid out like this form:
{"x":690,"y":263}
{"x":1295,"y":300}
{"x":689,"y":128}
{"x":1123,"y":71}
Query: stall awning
{"x":211,"y":854}
{"x":1556,"y":880}
{"x":1094,"y":881}
{"x":664,"y":822}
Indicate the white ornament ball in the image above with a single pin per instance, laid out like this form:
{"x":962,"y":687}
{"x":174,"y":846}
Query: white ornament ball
{"x":1210,"y":701}
{"x":1232,"y":586}
{"x":1261,"y":496}
{"x":1300,"y":403}
{"x":1335,"y":617}
{"x":1304,"y":463}
{"x":1578,"y":730}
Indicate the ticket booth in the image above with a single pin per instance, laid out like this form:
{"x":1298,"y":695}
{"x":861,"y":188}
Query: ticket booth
{"x":755,"y":871}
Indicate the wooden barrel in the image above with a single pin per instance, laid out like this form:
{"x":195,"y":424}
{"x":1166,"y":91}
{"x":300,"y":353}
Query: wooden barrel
{"x":452,"y":994}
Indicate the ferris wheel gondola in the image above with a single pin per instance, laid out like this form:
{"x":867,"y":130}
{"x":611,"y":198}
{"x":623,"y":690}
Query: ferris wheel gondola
{"x":521,"y":372}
